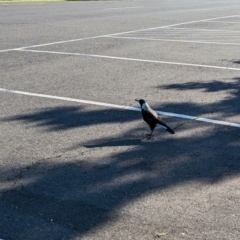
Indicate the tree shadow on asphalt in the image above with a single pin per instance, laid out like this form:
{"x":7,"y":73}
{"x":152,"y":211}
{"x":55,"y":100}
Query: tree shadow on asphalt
{"x":227,"y":107}
{"x":70,"y":117}
{"x":68,"y":199}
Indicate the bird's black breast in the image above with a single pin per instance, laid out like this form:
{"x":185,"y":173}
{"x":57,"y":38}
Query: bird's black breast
{"x":149,"y":119}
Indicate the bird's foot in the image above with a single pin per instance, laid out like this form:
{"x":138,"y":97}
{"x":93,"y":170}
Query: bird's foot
{"x":147,"y":139}
{"x":149,"y":136}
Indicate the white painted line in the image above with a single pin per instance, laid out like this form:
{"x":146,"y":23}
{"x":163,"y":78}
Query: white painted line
{"x":8,"y":50}
{"x":170,"y":26}
{"x":222,"y":22}
{"x":69,"y":99}
{"x":217,"y":2}
{"x":172,"y":40}
{"x":53,"y":43}
{"x":133,"y":59}
{"x":120,"y":8}
{"x":208,"y":120}
{"x":208,"y":30}
{"x":132,"y":31}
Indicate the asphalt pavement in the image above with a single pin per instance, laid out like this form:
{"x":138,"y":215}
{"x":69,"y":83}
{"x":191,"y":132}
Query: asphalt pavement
{"x":75,"y":161}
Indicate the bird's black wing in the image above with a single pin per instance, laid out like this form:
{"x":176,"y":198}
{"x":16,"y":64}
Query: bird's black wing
{"x":160,"y":121}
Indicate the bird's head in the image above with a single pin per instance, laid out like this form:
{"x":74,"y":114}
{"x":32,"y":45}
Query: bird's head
{"x":141,"y":101}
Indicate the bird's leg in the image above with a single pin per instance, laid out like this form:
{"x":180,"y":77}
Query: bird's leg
{"x":149,"y":136}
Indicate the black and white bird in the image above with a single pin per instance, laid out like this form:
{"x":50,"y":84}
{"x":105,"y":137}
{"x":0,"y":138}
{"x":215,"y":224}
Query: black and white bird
{"x":152,"y":118}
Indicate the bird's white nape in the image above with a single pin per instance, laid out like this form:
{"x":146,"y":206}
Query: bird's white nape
{"x":145,"y":107}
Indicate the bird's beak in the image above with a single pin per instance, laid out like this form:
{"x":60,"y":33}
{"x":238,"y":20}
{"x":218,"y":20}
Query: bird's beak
{"x":137,"y":100}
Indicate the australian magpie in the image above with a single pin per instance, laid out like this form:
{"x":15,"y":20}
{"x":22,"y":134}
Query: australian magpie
{"x":152,"y":118}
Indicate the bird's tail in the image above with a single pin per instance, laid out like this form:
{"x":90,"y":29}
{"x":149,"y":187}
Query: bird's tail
{"x":170,"y":130}
{"x":164,"y":125}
